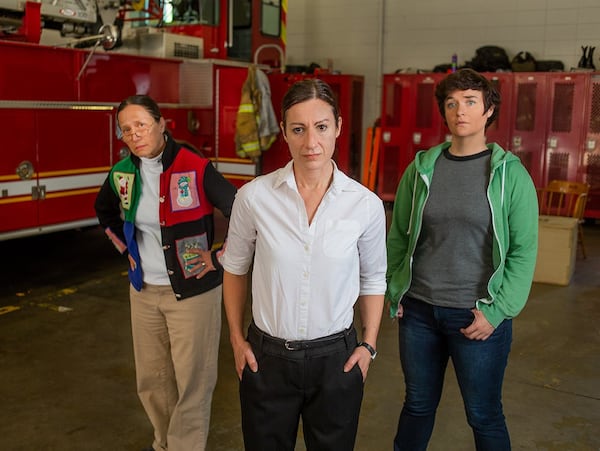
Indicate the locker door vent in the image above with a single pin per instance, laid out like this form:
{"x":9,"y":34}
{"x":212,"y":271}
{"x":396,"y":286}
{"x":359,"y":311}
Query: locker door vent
{"x":393,"y":106}
{"x":558,"y":166}
{"x":525,"y":157}
{"x":562,"y":110}
{"x":425,"y":102}
{"x":594,"y":126}
{"x":592,"y":170}
{"x":525,"y":117}
{"x":391,"y":175}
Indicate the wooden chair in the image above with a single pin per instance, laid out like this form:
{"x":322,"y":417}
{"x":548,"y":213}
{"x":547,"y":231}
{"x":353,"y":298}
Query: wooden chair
{"x":565,"y":198}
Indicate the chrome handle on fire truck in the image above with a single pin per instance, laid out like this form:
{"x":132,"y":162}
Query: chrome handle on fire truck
{"x":271,"y":46}
{"x":25,"y":170}
{"x":193,"y":123}
{"x":229,"y":42}
{"x":108,"y":37}
{"x":38,"y":192}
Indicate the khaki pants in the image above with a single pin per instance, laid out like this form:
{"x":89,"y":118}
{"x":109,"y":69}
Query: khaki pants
{"x":176,"y":345}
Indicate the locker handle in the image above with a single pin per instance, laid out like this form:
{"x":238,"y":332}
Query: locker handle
{"x":590,"y":145}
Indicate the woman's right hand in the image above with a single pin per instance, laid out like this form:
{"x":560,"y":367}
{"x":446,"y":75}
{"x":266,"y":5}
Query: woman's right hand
{"x":243,"y":355}
{"x":400,"y":313}
{"x":132,"y":264}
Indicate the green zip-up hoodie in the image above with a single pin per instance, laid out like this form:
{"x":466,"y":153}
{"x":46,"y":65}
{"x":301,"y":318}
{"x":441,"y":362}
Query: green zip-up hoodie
{"x":513,"y":203}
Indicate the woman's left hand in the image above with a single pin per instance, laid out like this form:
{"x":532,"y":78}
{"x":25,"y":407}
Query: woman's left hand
{"x":362,"y":357}
{"x":202,"y":263}
{"x":480,"y":328}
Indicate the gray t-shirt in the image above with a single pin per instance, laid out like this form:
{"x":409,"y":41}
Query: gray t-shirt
{"x":453,"y":258}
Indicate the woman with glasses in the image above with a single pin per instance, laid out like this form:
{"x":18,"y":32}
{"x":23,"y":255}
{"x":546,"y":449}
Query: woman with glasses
{"x":157,"y":207}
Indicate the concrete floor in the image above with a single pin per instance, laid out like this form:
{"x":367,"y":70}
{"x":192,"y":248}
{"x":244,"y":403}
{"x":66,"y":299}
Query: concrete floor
{"x":67,"y":375}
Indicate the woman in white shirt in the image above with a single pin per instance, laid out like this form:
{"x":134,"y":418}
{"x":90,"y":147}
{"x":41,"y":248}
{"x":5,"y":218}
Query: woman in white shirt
{"x":315,"y":240}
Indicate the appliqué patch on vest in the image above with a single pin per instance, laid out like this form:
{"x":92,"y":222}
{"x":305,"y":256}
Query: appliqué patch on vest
{"x":124,"y":183}
{"x":184,"y":191}
{"x":187,"y":254}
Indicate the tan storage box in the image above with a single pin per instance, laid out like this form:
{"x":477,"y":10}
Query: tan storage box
{"x":557,"y":249}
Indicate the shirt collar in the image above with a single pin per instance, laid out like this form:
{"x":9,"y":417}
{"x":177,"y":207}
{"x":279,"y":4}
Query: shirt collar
{"x":286,"y":175}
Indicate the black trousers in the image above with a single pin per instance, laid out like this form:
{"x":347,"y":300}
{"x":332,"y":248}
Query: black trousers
{"x":301,"y":380}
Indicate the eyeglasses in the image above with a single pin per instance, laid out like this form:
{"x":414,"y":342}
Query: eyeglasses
{"x":139,"y":128}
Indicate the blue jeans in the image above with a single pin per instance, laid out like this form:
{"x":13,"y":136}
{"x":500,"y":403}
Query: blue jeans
{"x":428,"y":336}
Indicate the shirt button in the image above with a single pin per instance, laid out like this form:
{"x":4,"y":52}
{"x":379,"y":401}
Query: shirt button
{"x":161,"y":199}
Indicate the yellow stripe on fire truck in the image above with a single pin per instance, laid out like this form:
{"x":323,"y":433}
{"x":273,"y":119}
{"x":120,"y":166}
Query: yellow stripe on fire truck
{"x":17,"y":190}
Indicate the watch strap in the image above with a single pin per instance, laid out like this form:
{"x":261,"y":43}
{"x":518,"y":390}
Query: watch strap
{"x":370,"y":348}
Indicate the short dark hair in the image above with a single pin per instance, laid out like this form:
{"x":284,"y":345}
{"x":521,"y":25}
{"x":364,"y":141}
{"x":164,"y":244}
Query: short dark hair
{"x":464,"y":79}
{"x":311,"y":88}
{"x":144,"y":101}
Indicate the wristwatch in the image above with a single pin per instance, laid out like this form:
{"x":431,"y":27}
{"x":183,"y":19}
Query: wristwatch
{"x":369,"y":348}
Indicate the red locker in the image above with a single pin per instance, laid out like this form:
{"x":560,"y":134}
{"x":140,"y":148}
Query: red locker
{"x":349,"y":90}
{"x":410,"y":122}
{"x":528,"y":122}
{"x":393,"y":157}
{"x":591,"y":148}
{"x":499,"y":131}
{"x":565,"y":126}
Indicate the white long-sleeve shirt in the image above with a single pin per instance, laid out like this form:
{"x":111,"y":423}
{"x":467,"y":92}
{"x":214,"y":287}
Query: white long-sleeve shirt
{"x":147,"y":223}
{"x":306,"y":278}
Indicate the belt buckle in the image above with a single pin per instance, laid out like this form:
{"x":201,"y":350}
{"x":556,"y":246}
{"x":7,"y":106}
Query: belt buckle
{"x":289,"y":345}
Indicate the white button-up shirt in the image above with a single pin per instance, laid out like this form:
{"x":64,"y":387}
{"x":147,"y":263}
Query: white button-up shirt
{"x":306,"y":278}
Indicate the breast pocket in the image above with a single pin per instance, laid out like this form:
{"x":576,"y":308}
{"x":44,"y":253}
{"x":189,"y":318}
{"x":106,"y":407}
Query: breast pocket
{"x":340,"y":238}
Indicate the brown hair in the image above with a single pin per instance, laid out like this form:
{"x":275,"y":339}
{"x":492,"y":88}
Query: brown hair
{"x":308,"y":89}
{"x":464,"y":79}
{"x":144,"y":101}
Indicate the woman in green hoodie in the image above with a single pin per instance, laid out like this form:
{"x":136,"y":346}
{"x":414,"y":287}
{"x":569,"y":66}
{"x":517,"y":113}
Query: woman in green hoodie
{"x":462,"y":248}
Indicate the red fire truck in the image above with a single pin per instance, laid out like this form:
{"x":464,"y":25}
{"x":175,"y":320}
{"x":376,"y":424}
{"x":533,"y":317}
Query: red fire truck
{"x":57,"y":102}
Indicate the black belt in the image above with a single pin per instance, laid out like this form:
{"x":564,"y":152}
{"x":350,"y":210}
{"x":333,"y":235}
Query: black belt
{"x":258,"y":337}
